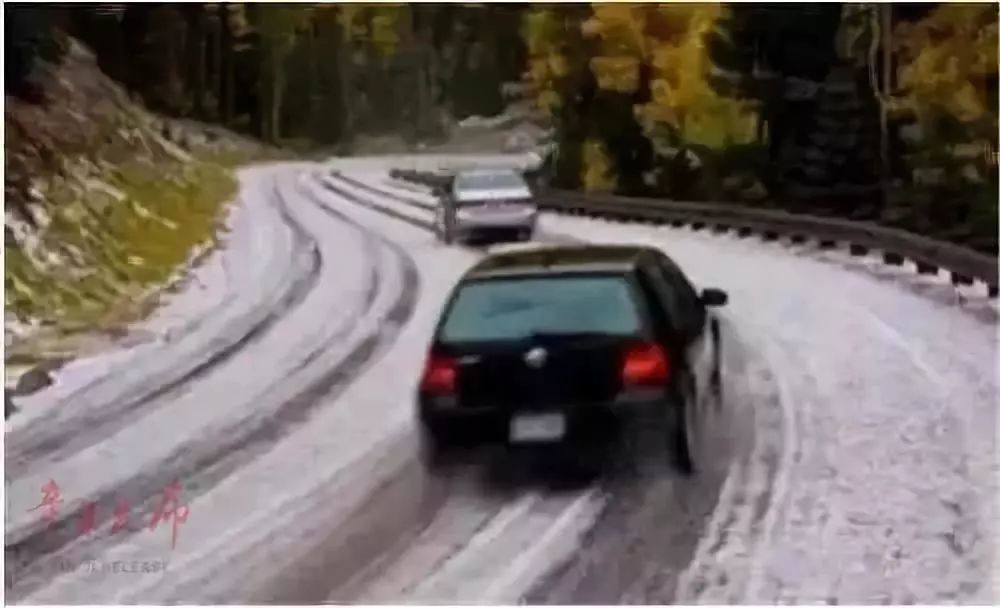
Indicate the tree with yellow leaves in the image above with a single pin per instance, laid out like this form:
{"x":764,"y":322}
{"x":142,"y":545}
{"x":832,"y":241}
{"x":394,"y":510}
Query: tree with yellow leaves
{"x":682,"y":99}
{"x":948,"y":83}
{"x":655,"y":57}
{"x":562,"y":85}
{"x":948,"y":67}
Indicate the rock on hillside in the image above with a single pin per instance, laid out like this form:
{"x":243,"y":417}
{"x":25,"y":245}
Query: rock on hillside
{"x":84,"y":123}
{"x":107,"y":203}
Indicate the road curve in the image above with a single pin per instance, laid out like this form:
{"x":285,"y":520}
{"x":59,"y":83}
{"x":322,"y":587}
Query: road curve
{"x":850,"y":459}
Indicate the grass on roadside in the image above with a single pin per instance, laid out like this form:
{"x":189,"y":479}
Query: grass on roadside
{"x":108,"y":247}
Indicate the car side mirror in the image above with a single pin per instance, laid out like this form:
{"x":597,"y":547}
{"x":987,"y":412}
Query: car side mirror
{"x":714,"y":297}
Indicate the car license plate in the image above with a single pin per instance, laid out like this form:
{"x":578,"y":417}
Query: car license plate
{"x":537,"y":427}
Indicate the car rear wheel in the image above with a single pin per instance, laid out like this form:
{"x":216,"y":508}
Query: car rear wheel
{"x":683,"y":428}
{"x":716,"y":378}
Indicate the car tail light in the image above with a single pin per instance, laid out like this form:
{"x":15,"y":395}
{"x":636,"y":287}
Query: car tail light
{"x":645,"y":364}
{"x":440,"y":374}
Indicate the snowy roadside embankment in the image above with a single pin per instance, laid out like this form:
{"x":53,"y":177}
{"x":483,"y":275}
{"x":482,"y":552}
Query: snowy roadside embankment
{"x":240,"y":393}
{"x":342,"y":445}
{"x":108,"y":206}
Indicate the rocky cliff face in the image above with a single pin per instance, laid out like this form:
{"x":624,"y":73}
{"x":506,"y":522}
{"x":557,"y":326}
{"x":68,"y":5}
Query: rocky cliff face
{"x":92,"y":183}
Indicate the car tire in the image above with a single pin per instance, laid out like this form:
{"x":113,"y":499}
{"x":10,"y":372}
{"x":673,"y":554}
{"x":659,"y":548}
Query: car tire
{"x":716,"y":378}
{"x":682,"y":427}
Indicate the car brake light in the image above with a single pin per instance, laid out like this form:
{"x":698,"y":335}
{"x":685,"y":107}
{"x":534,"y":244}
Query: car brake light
{"x":645,"y":365}
{"x":440,"y":374}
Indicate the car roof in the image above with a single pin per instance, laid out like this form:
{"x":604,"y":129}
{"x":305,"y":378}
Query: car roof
{"x":558,"y":259}
{"x":480,"y":171}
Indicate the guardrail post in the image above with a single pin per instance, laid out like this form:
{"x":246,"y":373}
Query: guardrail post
{"x":960,"y":279}
{"x":892,"y":258}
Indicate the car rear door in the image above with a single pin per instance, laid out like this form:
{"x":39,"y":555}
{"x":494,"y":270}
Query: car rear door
{"x":690,"y":319}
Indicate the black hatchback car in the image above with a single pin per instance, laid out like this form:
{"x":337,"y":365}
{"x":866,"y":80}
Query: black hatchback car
{"x":567,"y":345}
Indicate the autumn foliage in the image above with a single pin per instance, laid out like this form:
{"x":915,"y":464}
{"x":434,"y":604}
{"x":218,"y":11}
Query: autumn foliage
{"x":741,"y":101}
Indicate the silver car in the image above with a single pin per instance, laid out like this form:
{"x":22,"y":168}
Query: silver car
{"x":490,"y":205}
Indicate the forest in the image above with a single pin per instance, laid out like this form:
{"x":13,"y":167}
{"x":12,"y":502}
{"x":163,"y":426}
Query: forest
{"x":881,"y":112}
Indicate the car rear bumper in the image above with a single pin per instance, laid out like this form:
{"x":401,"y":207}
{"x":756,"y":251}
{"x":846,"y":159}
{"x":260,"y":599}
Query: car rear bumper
{"x":583,"y":422}
{"x":504,"y":227}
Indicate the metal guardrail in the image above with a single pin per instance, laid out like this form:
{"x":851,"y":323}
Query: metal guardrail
{"x":896,"y":245}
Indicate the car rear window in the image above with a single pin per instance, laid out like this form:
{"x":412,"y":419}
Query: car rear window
{"x":489,"y":181}
{"x":516,"y":308}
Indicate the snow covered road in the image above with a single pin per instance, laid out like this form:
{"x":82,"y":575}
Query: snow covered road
{"x":853,"y":458}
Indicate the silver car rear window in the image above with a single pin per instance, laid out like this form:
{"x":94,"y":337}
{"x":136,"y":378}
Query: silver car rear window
{"x":489,"y":181}
{"x":516,"y":308}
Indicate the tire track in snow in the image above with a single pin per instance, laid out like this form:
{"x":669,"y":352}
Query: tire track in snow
{"x":241,"y":443}
{"x":647,"y":536}
{"x":371,"y":189}
{"x":419,"y":222}
{"x":750,"y":498}
{"x":967,"y":515}
{"x":285,"y":577}
{"x":497,"y":562}
{"x":477,"y":552}
{"x":757,"y":516}
{"x":42,"y":549}
{"x":832,"y":541}
{"x":445,"y":582}
{"x":383,"y":525}
{"x":55,"y":440}
{"x":462,"y":514}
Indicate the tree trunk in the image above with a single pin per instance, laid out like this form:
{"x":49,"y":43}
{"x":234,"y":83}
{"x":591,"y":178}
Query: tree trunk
{"x":198,"y":33}
{"x":213,"y":64}
{"x":345,"y":86}
{"x":277,"y":97}
{"x":312,"y":76}
{"x":421,"y":36}
{"x":885,"y":11}
{"x":226,"y":66}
